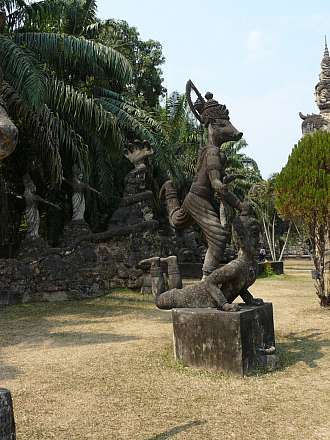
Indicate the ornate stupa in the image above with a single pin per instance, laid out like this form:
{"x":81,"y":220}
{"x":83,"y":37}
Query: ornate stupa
{"x":320,"y":121}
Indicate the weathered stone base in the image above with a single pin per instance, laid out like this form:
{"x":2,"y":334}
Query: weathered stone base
{"x":236,"y":342}
{"x":7,"y":423}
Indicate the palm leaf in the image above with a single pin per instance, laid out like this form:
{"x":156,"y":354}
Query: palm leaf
{"x":77,"y":51}
{"x":129,"y":116}
{"x":40,"y":15}
{"x":24,"y":72}
{"x":89,"y":9}
{"x":83,"y":113}
{"x":52,"y":134}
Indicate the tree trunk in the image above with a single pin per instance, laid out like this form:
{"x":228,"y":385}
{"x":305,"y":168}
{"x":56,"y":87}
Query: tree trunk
{"x":318,"y":236}
{"x":285,"y":243}
{"x":268,"y":238}
{"x":8,"y":133}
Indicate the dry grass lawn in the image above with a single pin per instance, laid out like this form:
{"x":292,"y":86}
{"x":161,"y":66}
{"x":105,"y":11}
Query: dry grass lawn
{"x":103,"y":369}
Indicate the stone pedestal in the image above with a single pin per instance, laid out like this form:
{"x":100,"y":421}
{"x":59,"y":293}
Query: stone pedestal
{"x":7,"y":423}
{"x":236,"y":342}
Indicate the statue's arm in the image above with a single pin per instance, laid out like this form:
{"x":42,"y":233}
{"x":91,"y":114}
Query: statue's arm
{"x":219,"y":298}
{"x":248,"y":298}
{"x":214,"y":169}
{"x":40,"y":199}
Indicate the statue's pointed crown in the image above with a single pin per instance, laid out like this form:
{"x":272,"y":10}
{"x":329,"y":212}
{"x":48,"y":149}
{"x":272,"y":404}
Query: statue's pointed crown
{"x":211,"y":108}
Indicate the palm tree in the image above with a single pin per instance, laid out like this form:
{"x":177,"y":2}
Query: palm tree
{"x":57,"y":89}
{"x":178,"y":144}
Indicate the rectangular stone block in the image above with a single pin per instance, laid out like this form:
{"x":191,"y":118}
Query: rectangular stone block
{"x":236,"y":342}
{"x":7,"y":422}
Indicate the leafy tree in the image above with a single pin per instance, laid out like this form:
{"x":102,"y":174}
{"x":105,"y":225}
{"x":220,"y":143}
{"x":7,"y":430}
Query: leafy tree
{"x":303,"y":192}
{"x":145,"y":57}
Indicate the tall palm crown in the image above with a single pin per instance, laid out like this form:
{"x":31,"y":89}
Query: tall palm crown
{"x":56,"y":86}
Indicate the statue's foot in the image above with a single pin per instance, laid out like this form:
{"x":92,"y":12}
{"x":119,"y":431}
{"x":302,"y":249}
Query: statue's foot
{"x":230,"y":307}
{"x":256,"y":302}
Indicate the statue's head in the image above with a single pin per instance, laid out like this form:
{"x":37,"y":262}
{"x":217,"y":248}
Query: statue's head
{"x":77,"y":172}
{"x":138,"y":151}
{"x":215,"y":118}
{"x":28,"y":183}
{"x":247,"y":229}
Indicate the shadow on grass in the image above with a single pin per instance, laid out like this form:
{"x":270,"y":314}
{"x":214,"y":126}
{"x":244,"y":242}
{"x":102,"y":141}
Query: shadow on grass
{"x":34,"y":324}
{"x":86,"y":338}
{"x":8,"y":371}
{"x":301,"y":347}
{"x":176,"y":430}
{"x":113,"y":304}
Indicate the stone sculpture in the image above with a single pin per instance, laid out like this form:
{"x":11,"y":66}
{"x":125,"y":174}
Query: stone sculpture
{"x":31,"y":208}
{"x":209,"y":182}
{"x":165,"y":273}
{"x":320,"y":121}
{"x":78,"y":197}
{"x":137,"y":152}
{"x":225,"y":283}
{"x":8,"y":131}
{"x":136,"y":206}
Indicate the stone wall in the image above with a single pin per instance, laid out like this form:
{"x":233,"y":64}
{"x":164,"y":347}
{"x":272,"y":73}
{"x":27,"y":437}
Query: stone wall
{"x":87,"y":270}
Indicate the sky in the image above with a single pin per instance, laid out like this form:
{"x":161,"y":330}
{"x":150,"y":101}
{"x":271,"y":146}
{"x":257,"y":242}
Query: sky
{"x":259,"y":57}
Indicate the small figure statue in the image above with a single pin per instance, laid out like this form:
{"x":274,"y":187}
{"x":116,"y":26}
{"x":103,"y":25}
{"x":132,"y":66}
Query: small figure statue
{"x":228,"y":282}
{"x":210,"y":181}
{"x":78,"y":197}
{"x":31,"y":208}
{"x":137,"y":152}
{"x":160,"y":282}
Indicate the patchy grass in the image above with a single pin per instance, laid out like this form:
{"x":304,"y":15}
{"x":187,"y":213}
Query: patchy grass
{"x":103,"y":369}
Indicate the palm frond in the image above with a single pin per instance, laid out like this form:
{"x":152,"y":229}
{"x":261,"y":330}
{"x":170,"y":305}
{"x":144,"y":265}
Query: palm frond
{"x":129,"y":116}
{"x":83,"y":113}
{"x":77,"y":51}
{"x":24,"y":72}
{"x":89,"y":9}
{"x":11,"y":5}
{"x":51,"y":133}
{"x":39,"y":15}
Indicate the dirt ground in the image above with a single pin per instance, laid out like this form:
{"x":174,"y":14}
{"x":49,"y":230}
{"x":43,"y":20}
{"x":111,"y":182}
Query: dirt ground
{"x":103,"y":369}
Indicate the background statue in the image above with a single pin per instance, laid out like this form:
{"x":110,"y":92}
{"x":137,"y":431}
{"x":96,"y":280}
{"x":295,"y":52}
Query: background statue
{"x":209,"y":180}
{"x":78,"y":197}
{"x":137,"y":152}
{"x":31,"y":208}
